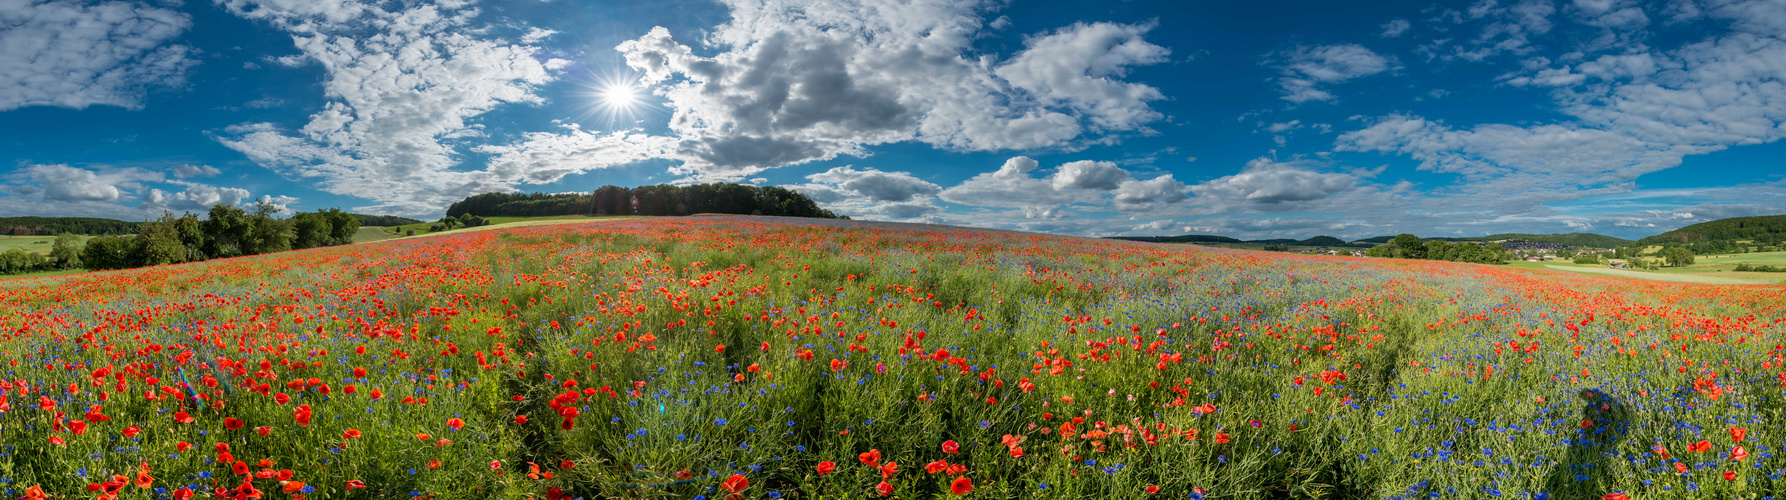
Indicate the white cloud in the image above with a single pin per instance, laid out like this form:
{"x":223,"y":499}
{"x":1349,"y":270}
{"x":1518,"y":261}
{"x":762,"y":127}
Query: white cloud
{"x":264,"y":103}
{"x":1305,"y":68}
{"x":872,"y":194}
{"x":1141,"y":196}
{"x":75,"y":54}
{"x":810,"y":80}
{"x":537,"y":35}
{"x":1077,"y":66}
{"x":62,"y":183}
{"x":186,"y":170}
{"x":877,"y":185}
{"x":402,"y":85}
{"x":1395,"y":28}
{"x":1265,"y":182}
{"x":1087,"y":174}
{"x":1089,"y":184}
{"x":195,"y":198}
{"x":547,"y":157}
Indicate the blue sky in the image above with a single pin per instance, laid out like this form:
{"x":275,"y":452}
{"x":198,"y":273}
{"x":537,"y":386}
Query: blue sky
{"x":1250,"y":119}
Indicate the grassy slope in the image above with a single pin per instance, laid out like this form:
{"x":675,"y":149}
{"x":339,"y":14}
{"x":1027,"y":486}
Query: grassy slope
{"x":422,"y":228}
{"x":32,"y":243}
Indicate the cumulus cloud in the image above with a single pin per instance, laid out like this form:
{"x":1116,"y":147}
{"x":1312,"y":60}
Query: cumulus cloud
{"x":63,"y":183}
{"x":1266,"y":182}
{"x":876,"y":185}
{"x":79,"y":54}
{"x":195,"y":198}
{"x":543,"y":157}
{"x":1305,"y":68}
{"x":811,"y":80}
{"x":402,"y":86}
{"x":1087,"y":183}
{"x":1087,"y":174}
{"x":872,"y":194}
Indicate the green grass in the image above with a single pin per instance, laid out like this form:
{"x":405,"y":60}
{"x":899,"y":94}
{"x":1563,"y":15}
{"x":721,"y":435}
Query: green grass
{"x":32,"y":243}
{"x":373,"y":233}
{"x":421,"y":229}
{"x":42,"y":274}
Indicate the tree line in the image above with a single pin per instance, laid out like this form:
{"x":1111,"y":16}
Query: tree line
{"x":662,"y":199}
{"x":23,"y":226}
{"x":1408,"y":246}
{"x":227,"y":231}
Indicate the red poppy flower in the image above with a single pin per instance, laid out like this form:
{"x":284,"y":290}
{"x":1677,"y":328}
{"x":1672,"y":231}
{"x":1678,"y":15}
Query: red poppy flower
{"x":961,"y":486}
{"x":936,"y":466}
{"x":1700,"y":446}
{"x":870,"y":458}
{"x":1738,"y":453}
{"x":885,"y":489}
{"x":302,"y":415}
{"x":1737,"y":433}
{"x":455,"y":423}
{"x":351,"y":434}
{"x":355,"y":484}
{"x":232,"y":423}
{"x":1151,"y":489}
{"x":735,"y":484}
{"x":951,"y":447}
{"x":826,"y":467}
{"x":1729,"y":475}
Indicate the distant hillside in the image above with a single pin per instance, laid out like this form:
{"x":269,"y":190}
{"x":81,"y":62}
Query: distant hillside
{"x":1189,"y":238}
{"x":1589,"y":240}
{"x":384,"y":220}
{"x":58,"y":225}
{"x":1763,"y":229}
{"x":1318,"y":241}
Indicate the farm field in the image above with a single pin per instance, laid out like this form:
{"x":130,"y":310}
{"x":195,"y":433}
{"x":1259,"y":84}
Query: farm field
{"x":756,"y":357}
{"x":1709,"y":269}
{"x":31,"y":243}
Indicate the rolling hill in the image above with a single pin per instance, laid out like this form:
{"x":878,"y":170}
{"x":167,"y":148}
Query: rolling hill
{"x":1767,"y":228}
{"x":1589,"y":240}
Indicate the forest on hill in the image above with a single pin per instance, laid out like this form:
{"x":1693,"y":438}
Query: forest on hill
{"x":661,"y":199}
{"x":1726,"y":235}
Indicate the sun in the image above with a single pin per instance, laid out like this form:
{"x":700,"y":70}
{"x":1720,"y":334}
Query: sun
{"x":619,"y":96}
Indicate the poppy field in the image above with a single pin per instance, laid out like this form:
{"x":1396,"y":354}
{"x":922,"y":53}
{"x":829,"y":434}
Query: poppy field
{"x":749,"y":357}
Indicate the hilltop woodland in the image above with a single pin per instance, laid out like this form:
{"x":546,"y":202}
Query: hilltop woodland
{"x":1408,"y":246}
{"x":662,"y":199}
{"x":1725,"y":236}
{"x":228,"y":231}
{"x":24,"y":226}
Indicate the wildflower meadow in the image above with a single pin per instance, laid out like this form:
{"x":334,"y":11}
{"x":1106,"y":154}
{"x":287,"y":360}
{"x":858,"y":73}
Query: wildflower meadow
{"x":754,"y":357}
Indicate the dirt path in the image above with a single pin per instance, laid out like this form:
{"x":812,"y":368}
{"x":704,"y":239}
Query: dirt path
{"x":1677,"y":278}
